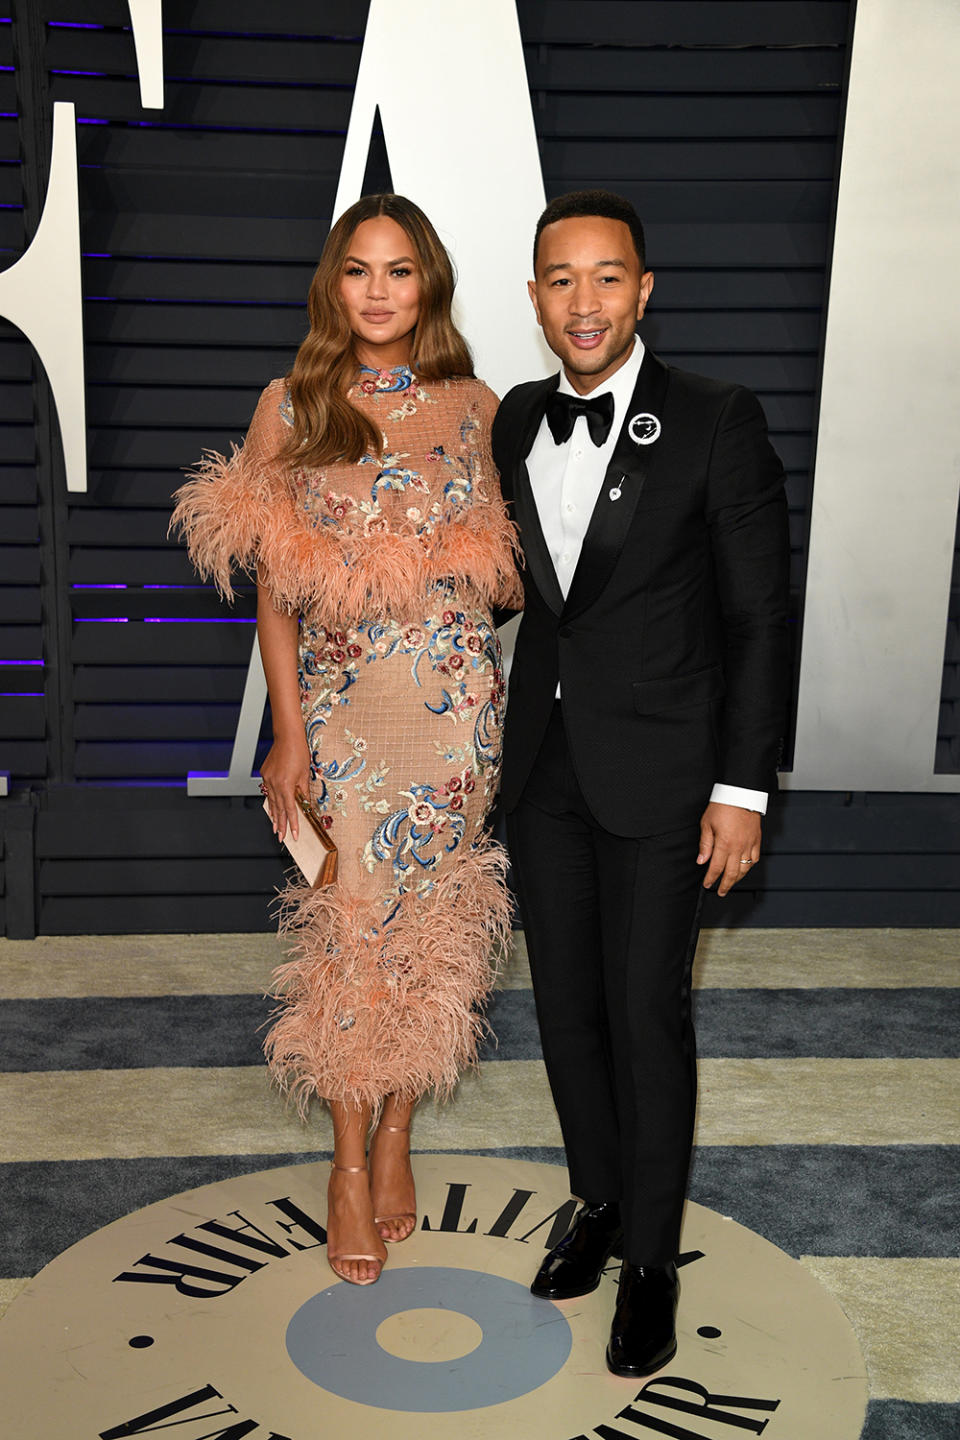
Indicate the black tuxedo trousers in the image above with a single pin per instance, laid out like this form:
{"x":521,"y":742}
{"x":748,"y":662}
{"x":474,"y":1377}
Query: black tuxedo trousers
{"x":611,"y":925}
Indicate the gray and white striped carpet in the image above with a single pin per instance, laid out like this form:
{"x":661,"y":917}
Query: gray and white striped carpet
{"x":829,"y":1118}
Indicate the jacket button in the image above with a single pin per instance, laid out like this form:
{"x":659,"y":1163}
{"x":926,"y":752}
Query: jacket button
{"x":565,"y":632}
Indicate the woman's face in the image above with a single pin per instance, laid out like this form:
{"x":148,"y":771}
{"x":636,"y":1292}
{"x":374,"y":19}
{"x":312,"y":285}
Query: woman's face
{"x":380,"y":289}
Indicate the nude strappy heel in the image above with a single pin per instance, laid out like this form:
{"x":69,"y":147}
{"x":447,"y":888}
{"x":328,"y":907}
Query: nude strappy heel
{"x":333,"y":1259}
{"x":410,"y":1215}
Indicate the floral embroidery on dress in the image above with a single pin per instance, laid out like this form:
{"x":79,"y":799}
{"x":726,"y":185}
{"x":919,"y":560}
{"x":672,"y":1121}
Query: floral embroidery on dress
{"x":392,"y":570}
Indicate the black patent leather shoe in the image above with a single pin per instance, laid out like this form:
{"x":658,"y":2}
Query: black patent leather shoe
{"x":643,"y":1337}
{"x":574,"y":1267}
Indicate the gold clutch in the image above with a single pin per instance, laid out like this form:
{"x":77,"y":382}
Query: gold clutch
{"x":313,"y":851}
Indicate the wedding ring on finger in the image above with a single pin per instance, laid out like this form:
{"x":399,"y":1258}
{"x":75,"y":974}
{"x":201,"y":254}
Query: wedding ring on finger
{"x":746,"y":862}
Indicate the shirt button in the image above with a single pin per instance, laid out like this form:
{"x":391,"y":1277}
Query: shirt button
{"x":565,"y":559}
{"x":569,"y":509}
{"x":578,"y":454}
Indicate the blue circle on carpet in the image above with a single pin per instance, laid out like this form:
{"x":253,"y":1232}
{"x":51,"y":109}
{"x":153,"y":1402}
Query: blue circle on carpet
{"x":332,"y":1341}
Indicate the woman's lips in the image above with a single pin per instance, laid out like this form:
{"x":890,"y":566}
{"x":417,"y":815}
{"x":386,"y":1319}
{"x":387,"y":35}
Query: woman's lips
{"x":377,"y":317}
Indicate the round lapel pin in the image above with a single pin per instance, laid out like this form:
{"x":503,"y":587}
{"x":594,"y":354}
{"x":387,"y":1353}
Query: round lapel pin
{"x":644,"y":429}
{"x":615,"y":493}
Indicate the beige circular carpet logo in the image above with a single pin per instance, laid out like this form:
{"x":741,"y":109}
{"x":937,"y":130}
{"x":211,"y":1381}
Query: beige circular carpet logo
{"x":214,"y":1314}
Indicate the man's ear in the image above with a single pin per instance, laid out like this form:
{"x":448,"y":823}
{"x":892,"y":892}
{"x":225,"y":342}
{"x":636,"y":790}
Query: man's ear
{"x":646,"y":289}
{"x":532,"y":292}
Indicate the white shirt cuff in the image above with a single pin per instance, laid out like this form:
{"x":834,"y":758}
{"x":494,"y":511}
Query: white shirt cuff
{"x":736,"y":795}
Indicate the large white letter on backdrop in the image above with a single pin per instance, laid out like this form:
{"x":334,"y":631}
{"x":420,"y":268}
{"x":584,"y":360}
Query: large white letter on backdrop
{"x":41,"y":295}
{"x":146,"y":21}
{"x":888,"y":451}
{"x":451,"y":87}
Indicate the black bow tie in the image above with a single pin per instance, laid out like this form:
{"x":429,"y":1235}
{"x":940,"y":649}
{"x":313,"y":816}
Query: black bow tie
{"x":562,"y":412}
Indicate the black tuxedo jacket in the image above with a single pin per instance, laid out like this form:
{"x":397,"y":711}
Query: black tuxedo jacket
{"x":671,"y":647}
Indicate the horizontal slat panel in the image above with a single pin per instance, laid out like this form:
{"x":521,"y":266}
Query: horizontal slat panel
{"x":19,"y":604}
{"x":206,"y":721}
{"x":672,"y":117}
{"x":130,"y":321}
{"x":21,"y":678}
{"x":247,"y":107}
{"x":22,"y":717}
{"x":19,"y":564}
{"x":155,"y":915}
{"x":683,"y":22}
{"x":693,"y":160}
{"x":136,"y":644}
{"x":18,"y":446}
{"x":304,"y":60}
{"x":25,"y":759}
{"x":166,"y":566}
{"x":167,"y":759}
{"x":343,"y":18}
{"x":194,"y":827}
{"x":187,"y":365}
{"x":158,"y":148}
{"x":676,"y":71}
{"x":20,"y":642}
{"x":135,"y":603}
{"x":18,"y":483}
{"x":196,"y":876}
{"x":194,"y":683}
{"x":174,"y":405}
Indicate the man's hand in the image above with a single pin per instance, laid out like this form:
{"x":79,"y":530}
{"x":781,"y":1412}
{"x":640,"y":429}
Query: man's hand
{"x":730,"y":840}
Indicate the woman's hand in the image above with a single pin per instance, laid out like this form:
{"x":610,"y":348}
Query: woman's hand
{"x":286,"y":770}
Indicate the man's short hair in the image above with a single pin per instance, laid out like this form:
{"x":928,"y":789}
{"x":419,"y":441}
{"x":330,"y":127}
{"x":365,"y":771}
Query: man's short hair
{"x":593,"y":202}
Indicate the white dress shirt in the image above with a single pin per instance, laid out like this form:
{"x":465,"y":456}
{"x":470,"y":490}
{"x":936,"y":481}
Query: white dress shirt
{"x":566,"y":479}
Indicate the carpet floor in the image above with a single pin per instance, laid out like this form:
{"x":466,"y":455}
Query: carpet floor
{"x":829,"y":1118}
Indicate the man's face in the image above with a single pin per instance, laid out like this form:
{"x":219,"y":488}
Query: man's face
{"x":589,"y":294}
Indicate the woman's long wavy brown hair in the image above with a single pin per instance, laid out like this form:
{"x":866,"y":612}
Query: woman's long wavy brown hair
{"x":326,"y":426}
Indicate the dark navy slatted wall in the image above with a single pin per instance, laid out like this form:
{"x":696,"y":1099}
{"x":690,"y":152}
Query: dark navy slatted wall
{"x":200,"y":225}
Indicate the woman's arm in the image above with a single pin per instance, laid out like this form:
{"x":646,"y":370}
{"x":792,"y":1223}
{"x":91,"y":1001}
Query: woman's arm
{"x":286,"y":768}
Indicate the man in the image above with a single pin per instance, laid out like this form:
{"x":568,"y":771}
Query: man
{"x":642,"y":736}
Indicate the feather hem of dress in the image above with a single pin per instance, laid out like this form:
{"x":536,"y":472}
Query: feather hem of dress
{"x":372,"y":1008}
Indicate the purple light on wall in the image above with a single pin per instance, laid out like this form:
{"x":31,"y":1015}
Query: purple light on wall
{"x":21,"y":694}
{"x":96,"y":255}
{"x":97,"y":74}
{"x":174,"y":587}
{"x":100,"y":620}
{"x":193,"y":620}
{"x":72,"y":25}
{"x":16,"y":663}
{"x":98,"y":587}
{"x":84,"y":120}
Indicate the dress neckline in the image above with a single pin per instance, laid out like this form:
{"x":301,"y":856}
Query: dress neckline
{"x":385,"y":382}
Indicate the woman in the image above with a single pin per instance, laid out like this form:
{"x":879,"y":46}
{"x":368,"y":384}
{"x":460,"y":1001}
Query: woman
{"x":366,"y":498}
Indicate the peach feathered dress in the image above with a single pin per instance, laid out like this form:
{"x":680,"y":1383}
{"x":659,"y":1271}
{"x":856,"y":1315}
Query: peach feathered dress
{"x":393,"y":565}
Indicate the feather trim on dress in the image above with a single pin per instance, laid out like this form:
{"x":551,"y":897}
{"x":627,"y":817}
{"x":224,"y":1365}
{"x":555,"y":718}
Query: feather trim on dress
{"x":373,"y":1007}
{"x":235,"y":516}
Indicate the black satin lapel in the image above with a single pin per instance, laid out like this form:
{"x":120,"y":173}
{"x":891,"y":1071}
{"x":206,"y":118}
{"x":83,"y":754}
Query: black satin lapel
{"x":626,"y":473}
{"x":532,"y":542}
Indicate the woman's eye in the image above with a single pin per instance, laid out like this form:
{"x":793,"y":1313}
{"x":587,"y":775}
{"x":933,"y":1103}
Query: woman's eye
{"x":355,"y":270}
{"x":401,"y":272}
